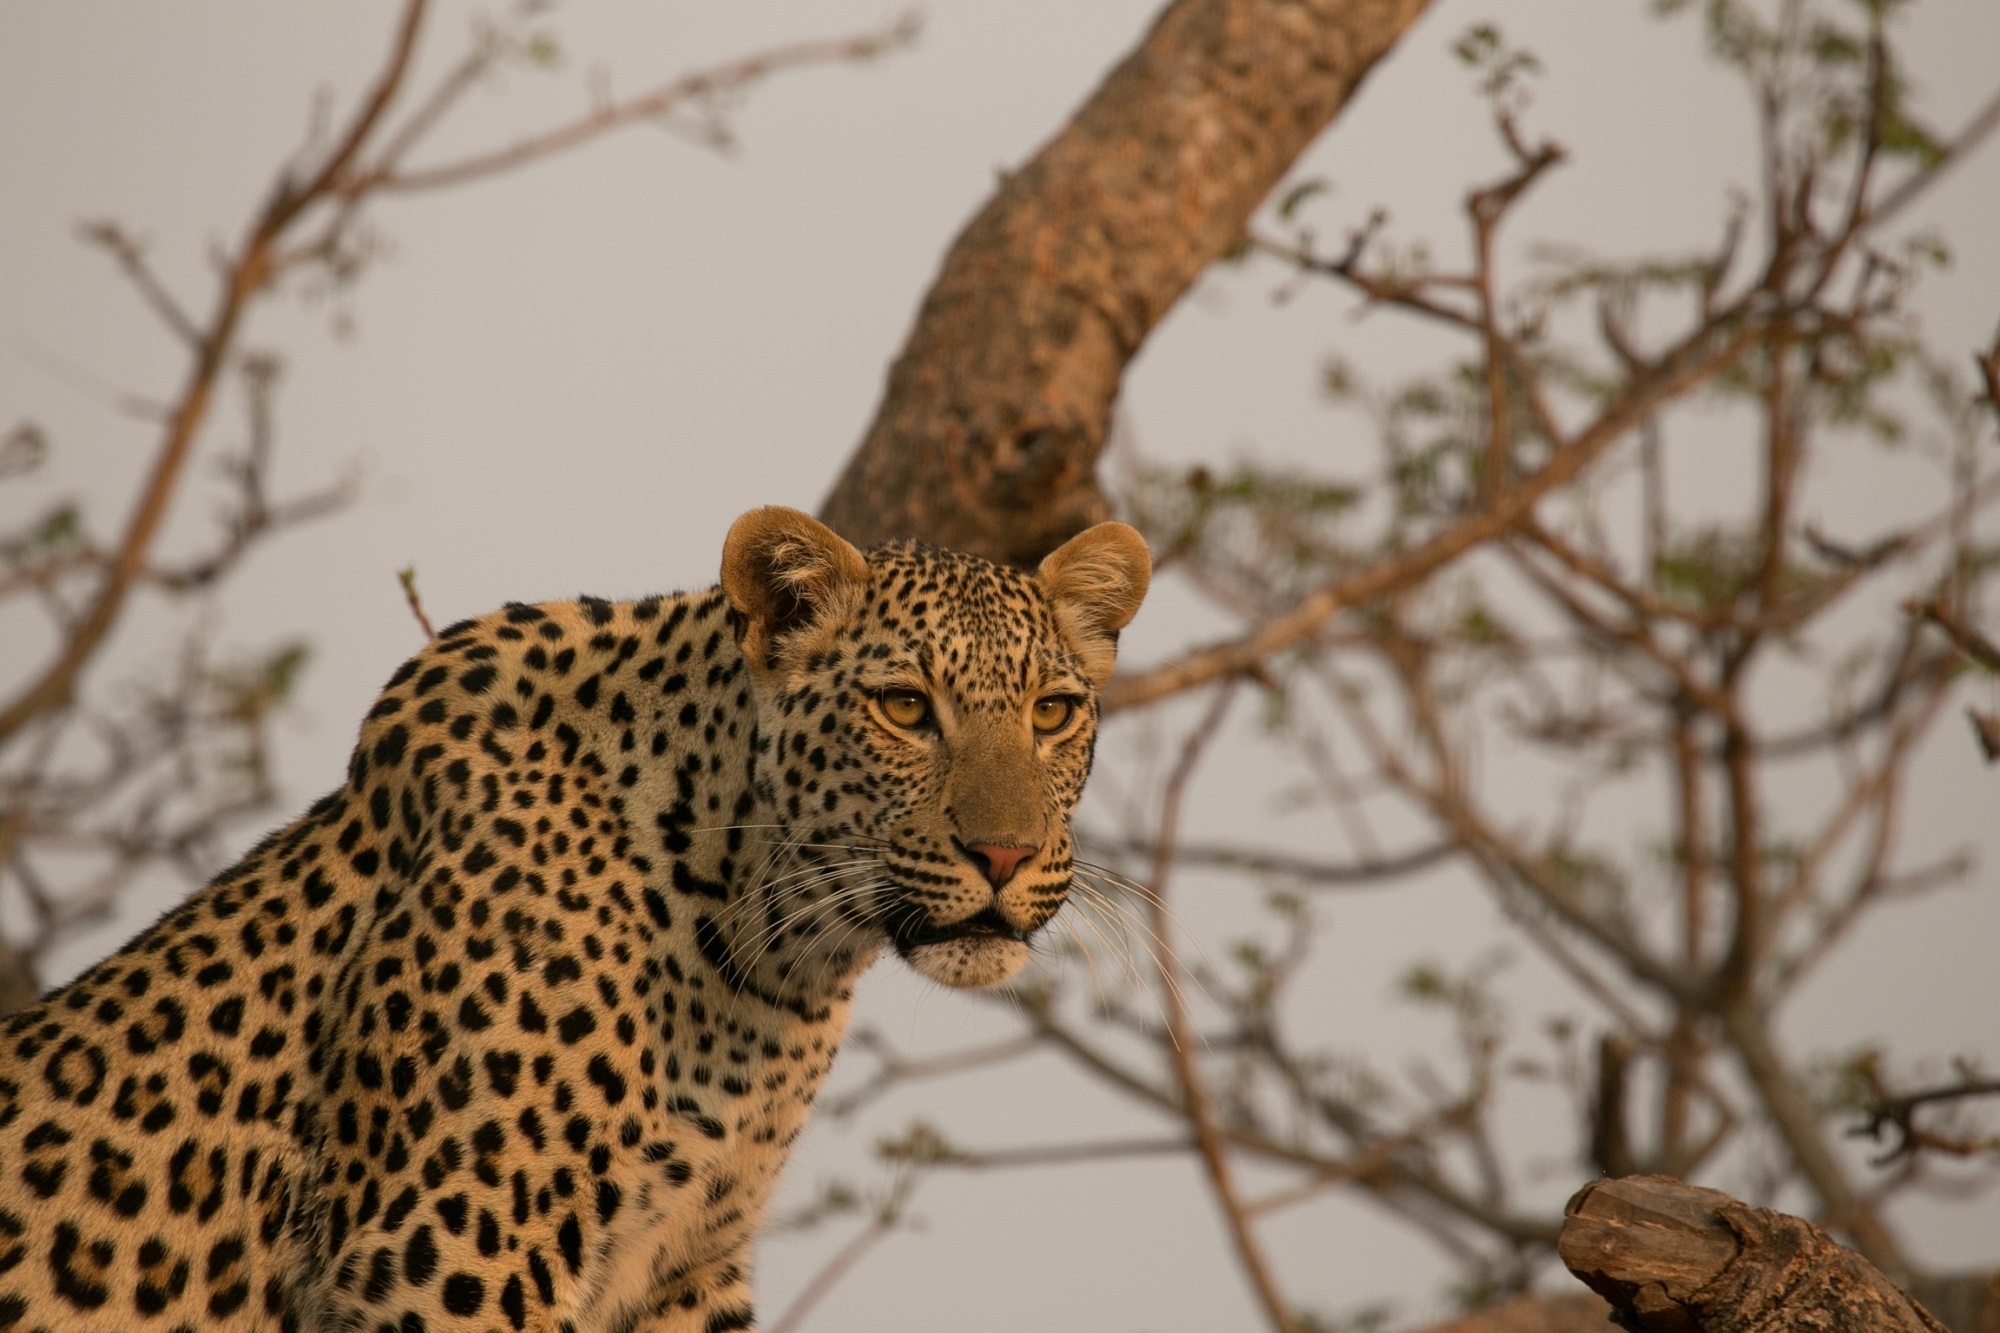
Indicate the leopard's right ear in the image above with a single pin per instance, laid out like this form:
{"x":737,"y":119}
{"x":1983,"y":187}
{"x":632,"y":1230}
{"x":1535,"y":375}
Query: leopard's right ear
{"x":789,"y":579}
{"x":1094,"y":583}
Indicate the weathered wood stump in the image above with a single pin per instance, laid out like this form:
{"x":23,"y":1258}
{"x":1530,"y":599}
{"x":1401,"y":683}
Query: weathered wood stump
{"x":1675,"y":1258}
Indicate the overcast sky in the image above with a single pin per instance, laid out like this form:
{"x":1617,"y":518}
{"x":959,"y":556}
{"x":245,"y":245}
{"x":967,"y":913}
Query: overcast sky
{"x":573,"y":378}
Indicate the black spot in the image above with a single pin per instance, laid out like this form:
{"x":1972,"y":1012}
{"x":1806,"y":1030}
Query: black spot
{"x":569,"y":1236}
{"x":381,"y":1275}
{"x":420,"y":1257}
{"x":688,"y":882}
{"x":227,"y":1017}
{"x":513,"y":1304}
{"x":607,"y":1078}
{"x":545,"y":1281}
{"x":575,"y":1025}
{"x":389,"y":750}
{"x":229,"y":1299}
{"x":464,"y":1294}
{"x":472,"y":1015}
{"x":81,"y":1287}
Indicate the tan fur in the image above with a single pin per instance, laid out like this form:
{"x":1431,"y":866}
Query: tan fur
{"x":1096,"y":581}
{"x":776,"y":559}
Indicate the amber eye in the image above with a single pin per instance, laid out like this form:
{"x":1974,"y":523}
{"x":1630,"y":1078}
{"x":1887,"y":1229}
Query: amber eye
{"x":905,"y":708}
{"x":1053,"y":713}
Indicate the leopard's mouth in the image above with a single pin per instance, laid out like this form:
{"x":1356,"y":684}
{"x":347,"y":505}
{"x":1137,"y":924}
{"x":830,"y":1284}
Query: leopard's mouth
{"x":982,"y":950}
{"x":910,"y":927}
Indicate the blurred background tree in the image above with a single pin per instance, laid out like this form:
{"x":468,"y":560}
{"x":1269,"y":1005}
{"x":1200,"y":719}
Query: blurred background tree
{"x":1640,"y":610}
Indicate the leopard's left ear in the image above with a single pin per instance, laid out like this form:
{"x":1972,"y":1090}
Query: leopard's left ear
{"x":787,"y":576}
{"x":1095,"y":582}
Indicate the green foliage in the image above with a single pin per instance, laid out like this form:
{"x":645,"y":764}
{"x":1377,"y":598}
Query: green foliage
{"x":57,"y":533}
{"x":1501,"y":67}
{"x":251,"y":690}
{"x":1710,"y":568}
{"x":1301,"y":194}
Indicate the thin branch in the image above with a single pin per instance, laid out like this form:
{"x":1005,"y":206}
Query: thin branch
{"x":1988,"y":363}
{"x":407,"y":577}
{"x":648,"y":106}
{"x":288,"y":201}
{"x":246,"y":275}
{"x":131,"y":257}
{"x":1895,"y":1113}
{"x":1982,"y":124}
{"x":887,"y":1218}
{"x":1968,"y":640}
{"x":1798,"y":1124}
{"x":1370,"y":873}
{"x":1057,"y":1154}
{"x":894,"y":1067}
{"x":1696,"y":360}
{"x":1396,"y":1175}
{"x":1180,"y":1037}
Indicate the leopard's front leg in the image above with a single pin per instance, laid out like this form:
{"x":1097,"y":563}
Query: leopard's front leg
{"x":714,"y":1300}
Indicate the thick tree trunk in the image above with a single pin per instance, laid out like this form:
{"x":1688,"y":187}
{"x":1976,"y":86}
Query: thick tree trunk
{"x":1676,"y":1258}
{"x":988,"y":434}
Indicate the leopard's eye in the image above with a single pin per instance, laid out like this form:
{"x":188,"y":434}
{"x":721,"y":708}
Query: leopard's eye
{"x":1053,"y":713}
{"x":905,"y":708}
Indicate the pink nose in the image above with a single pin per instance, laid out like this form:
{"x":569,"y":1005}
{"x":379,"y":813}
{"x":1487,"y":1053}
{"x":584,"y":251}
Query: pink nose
{"x":996,"y":862}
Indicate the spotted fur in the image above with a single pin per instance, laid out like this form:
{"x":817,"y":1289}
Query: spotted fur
{"x":514,"y":1030}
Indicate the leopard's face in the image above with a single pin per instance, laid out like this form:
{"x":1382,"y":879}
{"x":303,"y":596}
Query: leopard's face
{"x":926,"y":721}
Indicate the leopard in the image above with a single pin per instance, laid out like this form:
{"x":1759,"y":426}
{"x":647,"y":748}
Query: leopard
{"x":515,"y":1029}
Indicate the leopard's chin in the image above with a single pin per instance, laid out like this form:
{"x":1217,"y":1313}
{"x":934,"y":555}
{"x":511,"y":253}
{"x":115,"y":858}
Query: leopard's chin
{"x":970,"y":961}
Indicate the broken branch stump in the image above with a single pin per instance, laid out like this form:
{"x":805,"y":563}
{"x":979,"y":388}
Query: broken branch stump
{"x":1675,"y":1258}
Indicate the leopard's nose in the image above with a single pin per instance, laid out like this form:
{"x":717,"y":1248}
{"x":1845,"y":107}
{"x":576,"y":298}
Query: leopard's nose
{"x":997,"y":861}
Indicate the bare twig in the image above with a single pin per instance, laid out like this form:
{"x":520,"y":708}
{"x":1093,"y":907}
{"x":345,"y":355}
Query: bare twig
{"x":1180,"y":1037}
{"x":246,"y":274}
{"x":1957,"y":149}
{"x":1895,"y":1114}
{"x":888,"y":1216}
{"x":1369,"y":873}
{"x":655,"y":104}
{"x":1696,"y":360}
{"x":1968,"y":640}
{"x":131,"y":257}
{"x":407,"y":577}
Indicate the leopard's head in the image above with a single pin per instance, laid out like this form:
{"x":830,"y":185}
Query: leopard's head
{"x":926,"y":720}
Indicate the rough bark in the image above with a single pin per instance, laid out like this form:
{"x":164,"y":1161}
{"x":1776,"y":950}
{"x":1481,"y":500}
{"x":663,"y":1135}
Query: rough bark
{"x":988,"y":435}
{"x":1675,"y":1258}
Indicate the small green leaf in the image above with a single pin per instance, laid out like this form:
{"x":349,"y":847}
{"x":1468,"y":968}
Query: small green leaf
{"x":1299,"y":195}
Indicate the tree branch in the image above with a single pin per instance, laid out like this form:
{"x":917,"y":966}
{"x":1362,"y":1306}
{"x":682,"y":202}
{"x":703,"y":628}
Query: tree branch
{"x":247,"y":274}
{"x":988,"y":434}
{"x":1691,"y":363}
{"x":388,"y":178}
{"x":1180,"y":1036}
